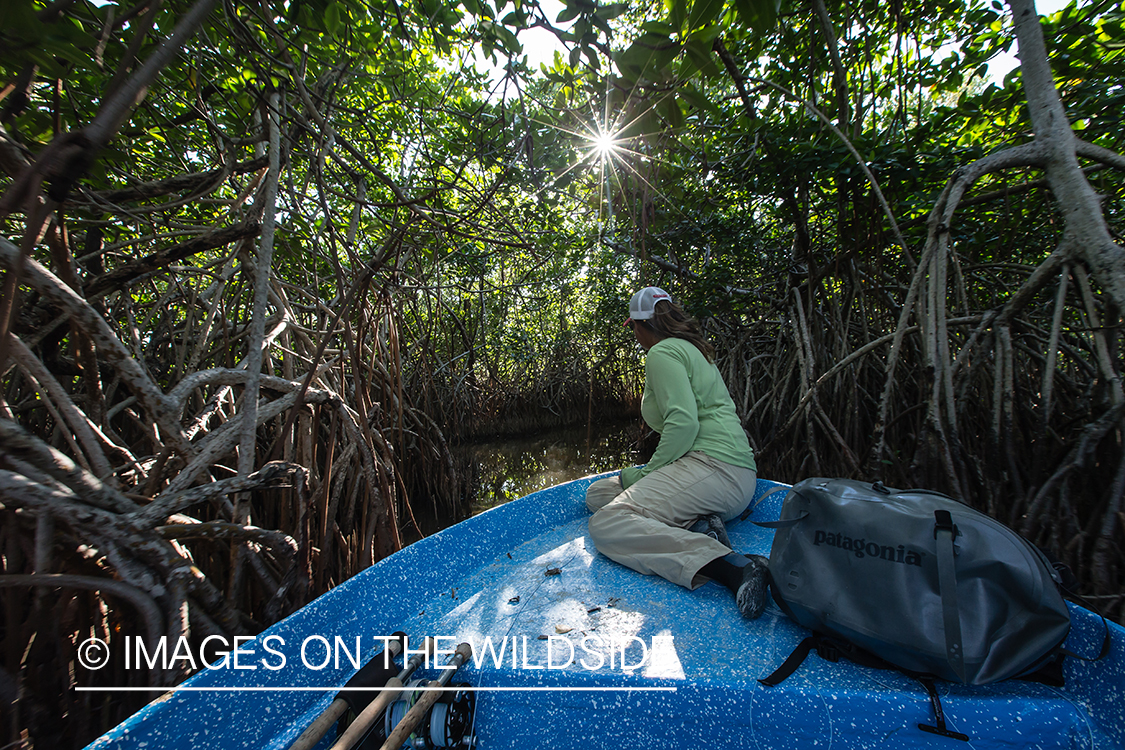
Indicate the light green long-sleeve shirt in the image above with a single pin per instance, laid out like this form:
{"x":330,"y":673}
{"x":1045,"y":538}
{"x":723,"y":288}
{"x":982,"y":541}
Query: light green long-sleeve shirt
{"x":686,"y":401}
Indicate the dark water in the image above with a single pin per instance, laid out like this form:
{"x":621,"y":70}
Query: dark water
{"x":513,"y":467}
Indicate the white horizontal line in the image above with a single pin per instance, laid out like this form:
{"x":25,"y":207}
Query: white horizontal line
{"x":337,"y":688}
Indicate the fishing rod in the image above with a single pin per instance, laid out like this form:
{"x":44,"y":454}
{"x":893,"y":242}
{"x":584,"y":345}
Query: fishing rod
{"x":366,"y":719}
{"x":404,"y":728}
{"x":372,"y":674}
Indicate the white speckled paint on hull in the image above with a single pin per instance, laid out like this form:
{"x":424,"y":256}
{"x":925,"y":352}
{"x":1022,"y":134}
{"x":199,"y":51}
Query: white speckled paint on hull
{"x":463,"y":583}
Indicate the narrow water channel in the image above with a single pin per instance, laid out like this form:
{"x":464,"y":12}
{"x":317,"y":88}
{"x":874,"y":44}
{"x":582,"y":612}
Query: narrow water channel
{"x":513,"y":467}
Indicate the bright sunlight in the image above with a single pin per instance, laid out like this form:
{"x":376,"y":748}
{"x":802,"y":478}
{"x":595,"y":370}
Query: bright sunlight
{"x":605,"y":145}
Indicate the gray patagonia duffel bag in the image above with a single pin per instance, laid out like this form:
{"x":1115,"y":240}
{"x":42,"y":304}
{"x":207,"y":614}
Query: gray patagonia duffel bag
{"x":916,"y":578}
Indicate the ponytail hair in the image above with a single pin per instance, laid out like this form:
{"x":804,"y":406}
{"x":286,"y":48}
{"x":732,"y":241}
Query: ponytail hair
{"x":670,"y":321}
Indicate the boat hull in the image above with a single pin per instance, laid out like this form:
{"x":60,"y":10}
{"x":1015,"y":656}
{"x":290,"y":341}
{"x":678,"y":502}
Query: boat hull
{"x":574,"y":651}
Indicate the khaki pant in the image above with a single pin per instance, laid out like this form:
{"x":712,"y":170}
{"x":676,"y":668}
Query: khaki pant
{"x":645,"y":526}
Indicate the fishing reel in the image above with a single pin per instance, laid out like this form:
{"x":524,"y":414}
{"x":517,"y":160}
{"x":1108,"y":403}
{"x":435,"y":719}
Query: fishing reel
{"x":447,"y":724}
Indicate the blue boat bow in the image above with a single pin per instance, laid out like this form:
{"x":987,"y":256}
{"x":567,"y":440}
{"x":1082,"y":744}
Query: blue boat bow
{"x":607,"y":658}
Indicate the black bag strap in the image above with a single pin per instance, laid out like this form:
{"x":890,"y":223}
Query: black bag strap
{"x":751,"y":508}
{"x":794,"y":660}
{"x":831,"y":650}
{"x":782,"y":524}
{"x":1101,"y":654}
{"x":945,"y":532}
{"x":939,"y":727}
{"x":1106,"y":639}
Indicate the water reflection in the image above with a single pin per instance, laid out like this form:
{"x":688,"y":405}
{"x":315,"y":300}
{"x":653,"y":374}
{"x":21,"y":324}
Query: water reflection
{"x":513,"y":467}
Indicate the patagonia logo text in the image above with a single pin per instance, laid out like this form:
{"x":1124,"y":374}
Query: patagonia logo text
{"x":863,"y":548}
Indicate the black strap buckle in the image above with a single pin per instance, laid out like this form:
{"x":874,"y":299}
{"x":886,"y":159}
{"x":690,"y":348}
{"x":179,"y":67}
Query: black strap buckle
{"x":944,"y":522}
{"x":827,"y":650}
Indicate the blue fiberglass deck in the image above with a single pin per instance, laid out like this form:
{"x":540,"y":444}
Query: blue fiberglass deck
{"x":526,"y":574}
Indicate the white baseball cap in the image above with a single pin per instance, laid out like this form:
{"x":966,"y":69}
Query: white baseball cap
{"x":643,"y":304}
